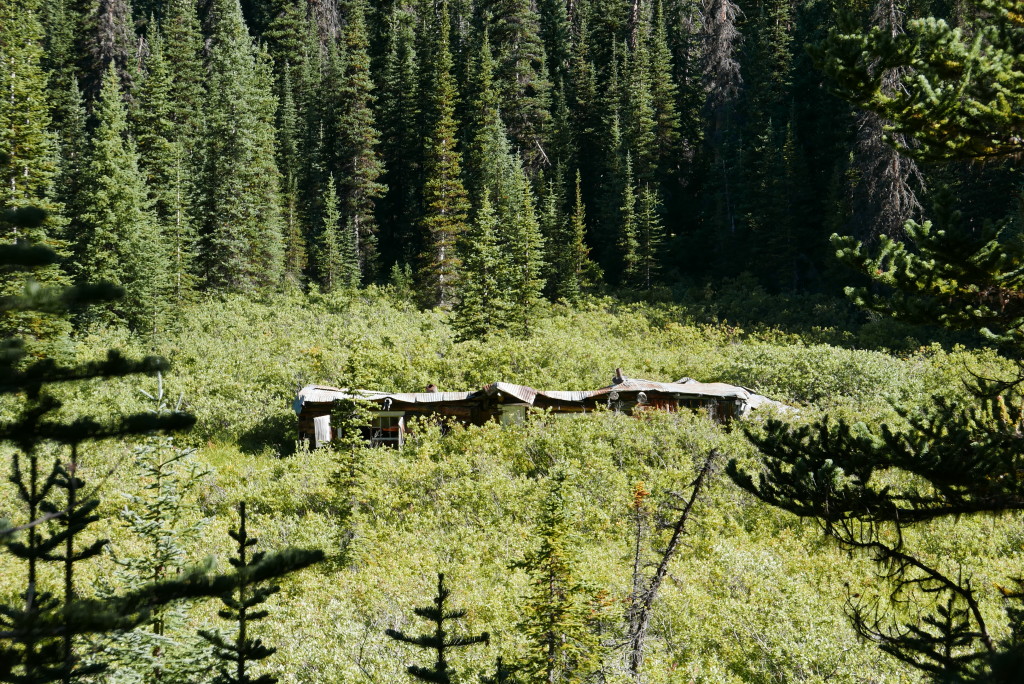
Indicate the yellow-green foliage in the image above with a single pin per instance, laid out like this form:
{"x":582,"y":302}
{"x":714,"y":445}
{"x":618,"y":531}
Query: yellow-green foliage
{"x":755,"y":595}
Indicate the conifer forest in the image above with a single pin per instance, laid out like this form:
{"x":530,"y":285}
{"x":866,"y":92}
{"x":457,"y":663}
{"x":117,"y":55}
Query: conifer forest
{"x":206,"y":205}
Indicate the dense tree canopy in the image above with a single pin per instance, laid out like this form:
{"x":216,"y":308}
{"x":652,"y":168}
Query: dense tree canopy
{"x":703,"y":138}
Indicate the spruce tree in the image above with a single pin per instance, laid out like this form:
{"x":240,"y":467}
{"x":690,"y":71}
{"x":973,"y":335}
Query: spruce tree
{"x":522,"y":78}
{"x":337,"y":257}
{"x":441,"y":640}
{"x":120,"y":241}
{"x":295,"y":243}
{"x":359,"y":165}
{"x":482,"y":304}
{"x":639,"y":134}
{"x":286,"y":37}
{"x":664,"y":93}
{"x":166,"y":169}
{"x":488,"y":157}
{"x":581,"y":95}
{"x":628,"y":242}
{"x":578,"y":272}
{"x":242,"y":606}
{"x":650,"y":235}
{"x":611,"y":160}
{"x":555,"y":31}
{"x":401,"y":143}
{"x":29,"y":169}
{"x":522,"y":244}
{"x":445,"y":204}
{"x":555,"y":612}
{"x":182,"y":50}
{"x":241,"y":237}
{"x":161,"y":648}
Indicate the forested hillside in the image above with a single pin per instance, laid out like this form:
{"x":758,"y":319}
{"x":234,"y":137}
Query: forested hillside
{"x":492,"y":152}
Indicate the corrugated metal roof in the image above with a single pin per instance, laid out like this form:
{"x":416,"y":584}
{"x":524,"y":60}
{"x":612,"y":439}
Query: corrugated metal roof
{"x":319,"y":394}
{"x":691,"y":388}
{"x":559,"y":395}
{"x":520,"y":392}
{"x":685,"y":387}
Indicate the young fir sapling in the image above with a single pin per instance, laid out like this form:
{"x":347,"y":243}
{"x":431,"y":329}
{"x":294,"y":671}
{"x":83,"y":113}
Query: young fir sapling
{"x":441,"y":641}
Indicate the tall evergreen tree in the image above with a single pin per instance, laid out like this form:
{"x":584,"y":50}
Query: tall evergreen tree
{"x":401,"y":143}
{"x":482,"y":304}
{"x":183,"y":49}
{"x":286,"y":37}
{"x":555,"y":31}
{"x":522,"y":243}
{"x":611,"y":161}
{"x":360,"y":166}
{"x":120,"y":242}
{"x":650,"y":235}
{"x":628,"y":243}
{"x":241,"y":238}
{"x":295,"y":247}
{"x":488,"y":156}
{"x":29,"y":167}
{"x":664,"y":94}
{"x":581,"y":94}
{"x":639,"y":126}
{"x":522,"y":77}
{"x":337,"y":257}
{"x":166,"y":169}
{"x":579,"y":272}
{"x":445,"y":204}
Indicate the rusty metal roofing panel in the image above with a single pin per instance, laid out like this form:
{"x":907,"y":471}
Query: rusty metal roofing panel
{"x":521,"y":392}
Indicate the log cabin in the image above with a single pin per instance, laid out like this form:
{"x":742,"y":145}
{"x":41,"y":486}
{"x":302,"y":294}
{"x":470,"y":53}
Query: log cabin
{"x":509,"y":403}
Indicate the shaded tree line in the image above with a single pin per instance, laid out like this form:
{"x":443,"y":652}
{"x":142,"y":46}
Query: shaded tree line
{"x":500,"y":151}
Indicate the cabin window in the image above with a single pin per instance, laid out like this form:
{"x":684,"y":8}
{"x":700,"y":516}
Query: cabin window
{"x":387,"y":428}
{"x":513,"y":414}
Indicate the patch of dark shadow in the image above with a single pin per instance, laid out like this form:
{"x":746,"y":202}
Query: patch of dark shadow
{"x":276,"y":433}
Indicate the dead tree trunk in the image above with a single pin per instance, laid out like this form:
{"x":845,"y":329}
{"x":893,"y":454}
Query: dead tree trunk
{"x":645,"y":590}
